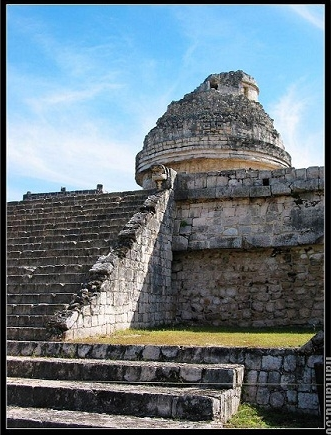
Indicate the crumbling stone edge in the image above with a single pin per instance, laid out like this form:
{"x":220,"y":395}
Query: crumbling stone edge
{"x":101,"y":271}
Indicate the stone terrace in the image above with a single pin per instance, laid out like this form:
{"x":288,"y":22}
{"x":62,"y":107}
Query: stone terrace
{"x":57,"y":384}
{"x":53,"y":384}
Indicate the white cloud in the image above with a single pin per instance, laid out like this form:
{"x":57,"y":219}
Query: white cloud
{"x":62,"y":136}
{"x":77,"y":155}
{"x":311,"y":13}
{"x":64,"y":96}
{"x":291,"y":120}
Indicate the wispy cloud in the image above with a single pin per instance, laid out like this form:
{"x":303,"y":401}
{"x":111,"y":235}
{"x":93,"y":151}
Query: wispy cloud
{"x":78,"y":155}
{"x":64,"y":96}
{"x":71,"y":131}
{"x":290,"y":115}
{"x":311,"y":13}
{"x":65,"y":138}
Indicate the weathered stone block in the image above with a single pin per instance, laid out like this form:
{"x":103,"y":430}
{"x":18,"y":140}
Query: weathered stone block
{"x":262,"y":396}
{"x":280,"y":189}
{"x":271,"y":362}
{"x":289,"y":363}
{"x":257,"y":191}
{"x":277,"y":399}
{"x":307,"y":401}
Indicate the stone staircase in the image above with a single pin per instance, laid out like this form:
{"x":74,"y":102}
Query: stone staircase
{"x":52,"y":242}
{"x":54,"y":384}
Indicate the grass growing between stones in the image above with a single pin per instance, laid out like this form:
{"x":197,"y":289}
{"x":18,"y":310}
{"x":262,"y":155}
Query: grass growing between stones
{"x":253,"y":417}
{"x":209,"y":336}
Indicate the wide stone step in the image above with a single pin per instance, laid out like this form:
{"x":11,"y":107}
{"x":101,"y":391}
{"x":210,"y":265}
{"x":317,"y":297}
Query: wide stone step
{"x":43,"y":206}
{"x":65,"y":213}
{"x":43,"y":227}
{"x":48,"y":269}
{"x":141,"y":352}
{"x":57,"y":244}
{"x":67,"y":221}
{"x":49,"y":278}
{"x":23,"y":334}
{"x":52,"y":261}
{"x":58,"y":253}
{"x":58,"y":214}
{"x":39,"y":298}
{"x":80,"y":204}
{"x":45,"y":223}
{"x":57,"y":287}
{"x":187,"y":403}
{"x":27,"y":320}
{"x":81,"y":199}
{"x":215,"y":376}
{"x":18,"y":417}
{"x":34,"y":309}
{"x":99,"y":209}
{"x":61,"y":234}
{"x":33,"y":207}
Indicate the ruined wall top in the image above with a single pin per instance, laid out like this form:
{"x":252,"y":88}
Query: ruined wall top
{"x":233,"y":82}
{"x":218,"y":126}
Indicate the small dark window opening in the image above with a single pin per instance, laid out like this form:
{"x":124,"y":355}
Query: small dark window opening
{"x":246,"y":91}
{"x":265,"y":181}
{"x":213,"y":85}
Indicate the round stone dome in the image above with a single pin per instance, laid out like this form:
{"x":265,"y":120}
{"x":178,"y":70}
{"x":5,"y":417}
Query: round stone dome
{"x":219,"y":126}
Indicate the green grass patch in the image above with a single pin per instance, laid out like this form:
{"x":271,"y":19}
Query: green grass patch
{"x":253,"y":417}
{"x":183,"y":335}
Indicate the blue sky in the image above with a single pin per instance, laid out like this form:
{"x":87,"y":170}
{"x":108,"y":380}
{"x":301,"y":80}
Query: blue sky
{"x":86,"y":83}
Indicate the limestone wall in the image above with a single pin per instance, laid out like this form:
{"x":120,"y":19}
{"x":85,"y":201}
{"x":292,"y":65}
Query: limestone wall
{"x":232,"y":247}
{"x":281,"y":379}
{"x":244,"y":209}
{"x":261,"y":287}
{"x":248,"y":247}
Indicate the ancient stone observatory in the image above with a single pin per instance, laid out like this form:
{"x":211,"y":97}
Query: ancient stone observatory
{"x":218,"y":126}
{"x":248,"y":231}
